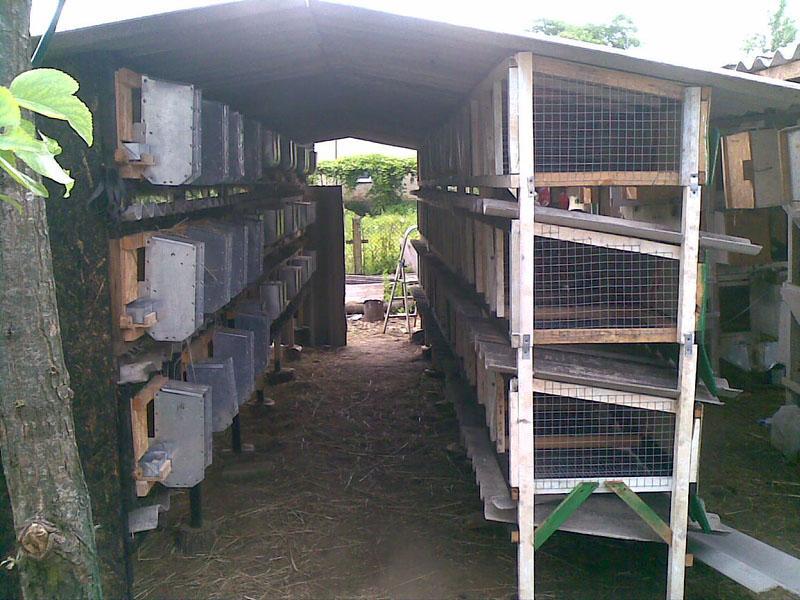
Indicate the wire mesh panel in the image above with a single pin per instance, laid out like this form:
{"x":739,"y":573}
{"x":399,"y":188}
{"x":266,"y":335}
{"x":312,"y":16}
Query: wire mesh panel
{"x":583,"y":433}
{"x":584,"y":127}
{"x":586,"y":280}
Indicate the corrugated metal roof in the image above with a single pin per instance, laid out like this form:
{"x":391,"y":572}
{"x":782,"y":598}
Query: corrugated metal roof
{"x":317,"y":70}
{"x":765,"y":61}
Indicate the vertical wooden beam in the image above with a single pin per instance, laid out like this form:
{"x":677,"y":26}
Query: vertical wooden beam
{"x":327,"y":239}
{"x":513,"y":122}
{"x":500,"y":272}
{"x":687,"y":367}
{"x":475,"y":137}
{"x":524,"y":335}
{"x":793,"y":278}
{"x":497,"y":118}
{"x":358,"y":257}
{"x":487,"y":126}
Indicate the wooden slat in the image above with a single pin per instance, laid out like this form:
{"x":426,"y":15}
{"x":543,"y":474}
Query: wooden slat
{"x":603,"y":178}
{"x":500,"y":402}
{"x":604,"y":336}
{"x":736,"y":155}
{"x":497,"y":120}
{"x":607,"y":240}
{"x":612,"y":78}
{"x":688,"y":351}
{"x":500,"y":272}
{"x":139,"y":415}
{"x":550,"y":442}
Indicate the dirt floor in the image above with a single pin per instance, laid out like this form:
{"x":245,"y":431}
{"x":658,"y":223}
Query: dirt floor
{"x":356,"y":488}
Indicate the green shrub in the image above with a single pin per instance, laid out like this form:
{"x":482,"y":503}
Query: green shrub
{"x":387,"y":173}
{"x":384,"y":233}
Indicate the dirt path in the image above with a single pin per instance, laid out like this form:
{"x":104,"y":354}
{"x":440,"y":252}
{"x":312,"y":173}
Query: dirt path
{"x":351,"y":492}
{"x":355,"y":490}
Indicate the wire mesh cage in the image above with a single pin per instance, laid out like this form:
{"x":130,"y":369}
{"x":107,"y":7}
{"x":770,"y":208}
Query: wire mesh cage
{"x":583,"y":127}
{"x":589,"y":433}
{"x":589,"y":281}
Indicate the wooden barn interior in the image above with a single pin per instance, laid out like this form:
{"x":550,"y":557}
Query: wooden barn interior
{"x":577,"y":208}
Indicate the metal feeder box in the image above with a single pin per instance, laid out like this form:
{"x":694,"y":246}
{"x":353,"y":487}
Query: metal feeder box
{"x":253,"y":167}
{"x":236,"y":172}
{"x":260,"y":325}
{"x":292,"y":276}
{"x":183,"y":416}
{"x":239,"y":346}
{"x":218,"y":374}
{"x":218,"y":263}
{"x":289,"y":225}
{"x":174,"y":268}
{"x":271,"y":293}
{"x":271,"y":149}
{"x":288,"y":154}
{"x":239,"y":241}
{"x":171,"y":119}
{"x":273,"y":225}
{"x":255,"y":246}
{"x":215,"y":143}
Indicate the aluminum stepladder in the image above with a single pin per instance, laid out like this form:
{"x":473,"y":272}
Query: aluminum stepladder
{"x":401,"y":277}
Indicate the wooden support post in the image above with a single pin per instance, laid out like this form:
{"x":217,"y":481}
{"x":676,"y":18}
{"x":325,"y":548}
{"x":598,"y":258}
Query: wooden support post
{"x":524,"y":335}
{"x":358,"y":257}
{"x":793,"y":278}
{"x":687,"y":367}
{"x":196,"y":506}
{"x":327,"y":238}
{"x":497,"y":119}
{"x":236,"y":435}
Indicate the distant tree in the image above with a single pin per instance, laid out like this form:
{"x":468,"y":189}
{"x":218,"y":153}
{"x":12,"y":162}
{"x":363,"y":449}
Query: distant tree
{"x":620,"y":33}
{"x":782,"y":32}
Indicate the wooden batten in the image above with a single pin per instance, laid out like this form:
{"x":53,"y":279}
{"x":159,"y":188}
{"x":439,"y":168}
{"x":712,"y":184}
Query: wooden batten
{"x":737,"y":163}
{"x":139,"y":433}
{"x":605,"y":336}
{"x":126,"y":82}
{"x":124,"y":278}
{"x":619,"y":79}
{"x":604,"y":178}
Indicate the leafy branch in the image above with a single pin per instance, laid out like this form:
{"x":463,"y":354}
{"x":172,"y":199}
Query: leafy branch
{"x":387,"y":173}
{"x":782,"y":32}
{"x":620,"y":33}
{"x":51,"y":93}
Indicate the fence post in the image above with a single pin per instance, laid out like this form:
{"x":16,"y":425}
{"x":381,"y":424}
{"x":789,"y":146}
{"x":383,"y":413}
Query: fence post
{"x":358,"y":259}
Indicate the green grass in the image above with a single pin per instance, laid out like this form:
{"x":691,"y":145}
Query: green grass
{"x":384,"y":233}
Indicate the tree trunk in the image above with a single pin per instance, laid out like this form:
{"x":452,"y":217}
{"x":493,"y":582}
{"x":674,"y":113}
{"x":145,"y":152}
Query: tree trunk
{"x":51,"y":505}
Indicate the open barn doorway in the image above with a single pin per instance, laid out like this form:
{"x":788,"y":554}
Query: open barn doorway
{"x":380,"y":217}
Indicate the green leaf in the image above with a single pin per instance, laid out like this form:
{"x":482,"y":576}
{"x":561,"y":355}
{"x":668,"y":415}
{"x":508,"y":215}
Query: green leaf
{"x":9,"y":109}
{"x":18,"y":139}
{"x":8,"y":164}
{"x":51,"y":93}
{"x":46,"y":165}
{"x":12,"y":202}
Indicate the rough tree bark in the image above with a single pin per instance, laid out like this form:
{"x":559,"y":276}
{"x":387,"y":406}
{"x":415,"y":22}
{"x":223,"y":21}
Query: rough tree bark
{"x":51,"y":505}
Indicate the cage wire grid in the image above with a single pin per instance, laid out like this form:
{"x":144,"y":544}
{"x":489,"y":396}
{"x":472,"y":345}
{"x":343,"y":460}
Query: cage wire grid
{"x":582,"y":127}
{"x":578,"y":285}
{"x":610,"y":436}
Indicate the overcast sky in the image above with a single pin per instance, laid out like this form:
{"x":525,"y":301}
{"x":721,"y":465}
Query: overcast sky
{"x":703,"y":33}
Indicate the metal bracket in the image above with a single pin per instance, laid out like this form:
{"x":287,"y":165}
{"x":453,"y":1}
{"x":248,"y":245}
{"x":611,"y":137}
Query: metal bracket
{"x":694,"y":182}
{"x":526,"y":345}
{"x":531,"y":181}
{"x":688,"y":343}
